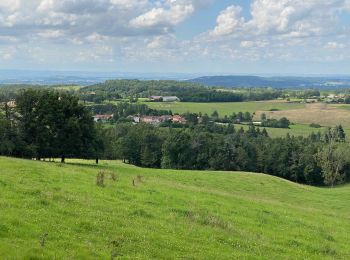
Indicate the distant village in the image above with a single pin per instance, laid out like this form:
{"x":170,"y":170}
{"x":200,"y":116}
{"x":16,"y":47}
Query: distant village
{"x":153,"y":120}
{"x":156,"y":120}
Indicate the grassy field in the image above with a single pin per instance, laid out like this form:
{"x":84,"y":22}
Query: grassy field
{"x":54,"y":211}
{"x":224,"y":108}
{"x":296,"y":130}
{"x":318,"y":113}
{"x":345,"y":106}
{"x":69,"y":88}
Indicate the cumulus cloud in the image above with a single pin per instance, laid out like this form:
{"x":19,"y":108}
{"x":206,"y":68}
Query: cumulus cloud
{"x":228,"y":21}
{"x":97,"y":30}
{"x":161,"y":16}
{"x":293,"y":18}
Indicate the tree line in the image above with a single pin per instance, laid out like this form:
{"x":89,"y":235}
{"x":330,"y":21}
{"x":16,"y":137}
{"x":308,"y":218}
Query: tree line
{"x":186,"y":91}
{"x":49,"y":124}
{"x":317,"y":160}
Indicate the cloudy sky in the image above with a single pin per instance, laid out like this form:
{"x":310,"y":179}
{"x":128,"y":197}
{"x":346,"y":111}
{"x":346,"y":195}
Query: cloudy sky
{"x":194,"y":36}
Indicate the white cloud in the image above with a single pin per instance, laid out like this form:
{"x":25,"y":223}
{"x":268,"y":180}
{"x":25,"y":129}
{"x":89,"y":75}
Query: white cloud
{"x":9,"y":5}
{"x":335,"y":45}
{"x":51,"y":34}
{"x":162,"y":42}
{"x":176,"y":13}
{"x":228,"y":21}
{"x":143,"y":30}
{"x":293,"y":18}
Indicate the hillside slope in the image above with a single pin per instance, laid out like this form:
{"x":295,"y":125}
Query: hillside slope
{"x":49,"y":210}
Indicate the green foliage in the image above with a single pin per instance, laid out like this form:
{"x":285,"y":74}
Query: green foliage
{"x":212,"y":146}
{"x":53,"y":124}
{"x":280,"y":123}
{"x":313,"y":125}
{"x":347,"y":99}
{"x":334,"y":159}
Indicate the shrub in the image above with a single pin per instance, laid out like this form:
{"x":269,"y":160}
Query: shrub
{"x":137,"y":180}
{"x":114,"y":177}
{"x":315,"y":125}
{"x":100,"y":179}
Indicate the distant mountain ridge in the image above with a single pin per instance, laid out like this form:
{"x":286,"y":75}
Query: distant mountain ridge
{"x":274,"y":82}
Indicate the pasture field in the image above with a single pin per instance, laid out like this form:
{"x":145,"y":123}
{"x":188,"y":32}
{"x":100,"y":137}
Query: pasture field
{"x":224,"y":108}
{"x":68,"y":88}
{"x":295,"y":129}
{"x":54,"y":211}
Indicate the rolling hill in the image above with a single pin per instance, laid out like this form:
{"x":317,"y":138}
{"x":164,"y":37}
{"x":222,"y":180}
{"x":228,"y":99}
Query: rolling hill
{"x":274,"y":82}
{"x":54,"y":211}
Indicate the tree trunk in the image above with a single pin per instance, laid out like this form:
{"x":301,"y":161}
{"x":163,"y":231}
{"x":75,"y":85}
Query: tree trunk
{"x":63,"y":158}
{"x":96,"y":160}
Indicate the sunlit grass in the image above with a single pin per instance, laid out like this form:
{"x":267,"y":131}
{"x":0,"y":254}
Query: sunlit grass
{"x":54,"y":211}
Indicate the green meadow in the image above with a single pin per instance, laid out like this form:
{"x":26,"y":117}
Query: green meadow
{"x":54,"y":211}
{"x":223,"y":108}
{"x":294,"y":129}
{"x":346,"y":106}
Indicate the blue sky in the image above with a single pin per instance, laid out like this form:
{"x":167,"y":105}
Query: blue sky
{"x":186,"y":36}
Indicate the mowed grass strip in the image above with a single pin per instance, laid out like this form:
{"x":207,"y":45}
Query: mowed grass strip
{"x":49,"y":211}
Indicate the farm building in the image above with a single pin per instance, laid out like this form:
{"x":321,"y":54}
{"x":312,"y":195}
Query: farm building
{"x":170,"y":99}
{"x":9,"y":104}
{"x":179,"y":119}
{"x":155,"y":120}
{"x":102,"y":118}
{"x":156,"y":98}
{"x":164,"y":99}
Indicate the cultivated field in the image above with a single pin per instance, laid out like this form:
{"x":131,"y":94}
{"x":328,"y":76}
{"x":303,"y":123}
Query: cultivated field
{"x":54,"y":211}
{"x":320,"y":113}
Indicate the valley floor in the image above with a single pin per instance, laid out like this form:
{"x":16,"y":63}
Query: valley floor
{"x":49,"y":210}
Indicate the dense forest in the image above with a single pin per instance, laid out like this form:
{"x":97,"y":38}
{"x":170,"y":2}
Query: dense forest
{"x":317,"y":160}
{"x":122,"y":110}
{"x":50,"y":124}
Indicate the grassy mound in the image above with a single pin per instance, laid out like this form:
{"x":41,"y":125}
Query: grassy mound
{"x":49,"y":210}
